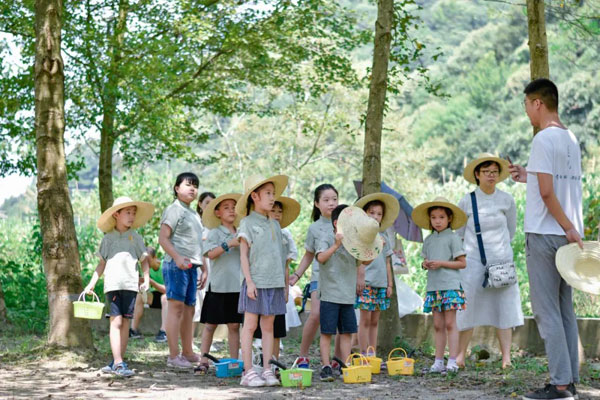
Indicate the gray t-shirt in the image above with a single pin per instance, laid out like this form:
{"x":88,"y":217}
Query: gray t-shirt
{"x":186,"y":231}
{"x":266,"y":250}
{"x":225,"y":269}
{"x":320,"y":227}
{"x":121,"y":251}
{"x":337,"y":281}
{"x":376,"y":272}
{"x":447,"y":246}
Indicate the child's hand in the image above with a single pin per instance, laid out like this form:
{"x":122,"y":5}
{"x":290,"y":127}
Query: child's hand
{"x":434,"y":264}
{"x":389,"y":291}
{"x":287,"y":294}
{"x":360,"y":280}
{"x":235,"y":242}
{"x":89,"y":290}
{"x":251,"y":290}
{"x":338,"y":238}
{"x":144,"y":287}
{"x":202,"y":279}
{"x":293,"y":279}
{"x":182,"y":263}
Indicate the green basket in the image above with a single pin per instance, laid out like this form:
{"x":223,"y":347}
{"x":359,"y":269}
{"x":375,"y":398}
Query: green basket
{"x":88,"y":309}
{"x":296,"y":377}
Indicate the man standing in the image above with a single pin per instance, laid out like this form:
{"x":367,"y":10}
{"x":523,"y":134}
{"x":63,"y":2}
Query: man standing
{"x":553,"y":218}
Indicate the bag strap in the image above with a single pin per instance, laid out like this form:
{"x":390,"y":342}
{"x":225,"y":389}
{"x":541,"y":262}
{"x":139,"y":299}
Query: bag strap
{"x":479,"y":237}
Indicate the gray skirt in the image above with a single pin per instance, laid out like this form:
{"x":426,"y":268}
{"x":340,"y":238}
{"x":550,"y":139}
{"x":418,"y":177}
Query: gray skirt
{"x":268,"y":302}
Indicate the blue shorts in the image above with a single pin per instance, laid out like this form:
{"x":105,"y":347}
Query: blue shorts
{"x":337,"y":318}
{"x":314,"y":285}
{"x":180,"y":283}
{"x":121,"y":302}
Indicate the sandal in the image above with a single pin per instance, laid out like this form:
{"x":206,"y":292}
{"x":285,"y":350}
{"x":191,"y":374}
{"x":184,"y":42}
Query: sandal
{"x":201,"y":369}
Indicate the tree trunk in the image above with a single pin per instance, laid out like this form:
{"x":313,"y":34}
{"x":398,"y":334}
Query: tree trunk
{"x":389,"y":322}
{"x":110,"y":96}
{"x":377,"y":92}
{"x":60,"y":254}
{"x":3,"y":316}
{"x":538,"y":45}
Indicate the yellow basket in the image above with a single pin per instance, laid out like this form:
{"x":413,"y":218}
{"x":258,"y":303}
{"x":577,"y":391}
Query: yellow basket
{"x":357,"y":373}
{"x":400,"y":365}
{"x":374,"y":362}
{"x":88,"y":309}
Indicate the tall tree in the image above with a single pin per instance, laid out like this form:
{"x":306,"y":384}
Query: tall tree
{"x":538,"y":44}
{"x":60,"y":254}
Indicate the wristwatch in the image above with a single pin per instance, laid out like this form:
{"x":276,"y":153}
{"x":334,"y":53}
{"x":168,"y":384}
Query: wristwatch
{"x":225,"y":247}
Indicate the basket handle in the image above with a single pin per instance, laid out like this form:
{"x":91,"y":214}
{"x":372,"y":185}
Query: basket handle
{"x":396,"y":349}
{"x":363,"y":359}
{"x":278,"y":364}
{"x":371,"y":347}
{"x":211,"y":358}
{"x":94,"y":295}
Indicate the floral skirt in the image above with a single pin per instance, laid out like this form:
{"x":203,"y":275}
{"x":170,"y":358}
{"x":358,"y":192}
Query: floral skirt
{"x":372,"y":299}
{"x":444,"y":300}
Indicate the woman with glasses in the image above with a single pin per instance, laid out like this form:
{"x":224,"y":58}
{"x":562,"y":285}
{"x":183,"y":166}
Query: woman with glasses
{"x":497,"y":212}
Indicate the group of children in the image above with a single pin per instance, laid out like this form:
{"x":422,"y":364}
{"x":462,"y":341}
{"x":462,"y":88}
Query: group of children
{"x":250,"y":250}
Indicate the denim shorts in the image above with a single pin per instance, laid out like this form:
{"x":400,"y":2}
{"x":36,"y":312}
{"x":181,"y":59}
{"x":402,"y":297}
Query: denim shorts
{"x":180,"y":283}
{"x":337,"y":318}
{"x":314,"y":285}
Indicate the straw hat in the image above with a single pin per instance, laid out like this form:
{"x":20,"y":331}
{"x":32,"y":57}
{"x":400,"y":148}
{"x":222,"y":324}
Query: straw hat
{"x":580,"y":268}
{"x":361,"y":234}
{"x":420,"y":214}
{"x":392,"y":207}
{"x":291,"y":210}
{"x":253,"y":182}
{"x":209,"y":219}
{"x":106,"y":222}
{"x":469,"y":172}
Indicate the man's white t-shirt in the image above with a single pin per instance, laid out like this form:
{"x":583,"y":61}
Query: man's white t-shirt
{"x":554,"y":151}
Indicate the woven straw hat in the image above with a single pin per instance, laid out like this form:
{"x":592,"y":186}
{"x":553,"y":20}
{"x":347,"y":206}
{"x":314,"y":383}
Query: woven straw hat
{"x":209,"y":218}
{"x":291,"y":210}
{"x":469,"y":172}
{"x":361,"y":234}
{"x":255,"y":181}
{"x":106,"y":222}
{"x":580,"y":268}
{"x":420,"y":214}
{"x":392,"y":207}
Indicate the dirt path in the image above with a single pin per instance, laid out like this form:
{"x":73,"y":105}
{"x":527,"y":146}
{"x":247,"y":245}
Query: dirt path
{"x":78,"y":377}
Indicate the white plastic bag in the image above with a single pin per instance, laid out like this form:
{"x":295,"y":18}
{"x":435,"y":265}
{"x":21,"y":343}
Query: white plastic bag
{"x":292,"y":319}
{"x":408,"y":299}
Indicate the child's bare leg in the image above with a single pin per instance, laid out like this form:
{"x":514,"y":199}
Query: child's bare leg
{"x":207,"y":338}
{"x":452,"y":332}
{"x":187,"y":334}
{"x":312,"y":324}
{"x":266,"y":326}
{"x":345,"y":343}
{"x":373,"y":324}
{"x":439,"y":327}
{"x":116,"y":343}
{"x":276,"y":344}
{"x":163,"y":312}
{"x":138,"y":311}
{"x":174,"y":316}
{"x":363,"y":330}
{"x":124,"y":335}
{"x":250,"y":323}
{"x":233,"y":337}
{"x":325,"y":347}
{"x":336,"y":346}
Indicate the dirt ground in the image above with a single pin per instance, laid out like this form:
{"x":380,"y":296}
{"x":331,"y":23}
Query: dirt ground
{"x":30,"y":372}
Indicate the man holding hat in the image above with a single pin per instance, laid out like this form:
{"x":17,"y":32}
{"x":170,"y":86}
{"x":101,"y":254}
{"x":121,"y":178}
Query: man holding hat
{"x":553,"y":218}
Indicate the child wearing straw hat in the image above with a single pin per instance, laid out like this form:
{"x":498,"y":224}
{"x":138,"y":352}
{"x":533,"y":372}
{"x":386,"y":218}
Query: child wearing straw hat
{"x":355,"y":238}
{"x":443,"y":258}
{"x":262,"y":261}
{"x":223,"y":293}
{"x":120,"y":250}
{"x":375,"y":281}
{"x":285,"y":211}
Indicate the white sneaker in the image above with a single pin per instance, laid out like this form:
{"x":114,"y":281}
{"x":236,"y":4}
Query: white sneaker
{"x":437,"y":368}
{"x":251,"y":378}
{"x":269,"y":378}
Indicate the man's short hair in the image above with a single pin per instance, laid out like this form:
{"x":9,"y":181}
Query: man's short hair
{"x":545,"y":90}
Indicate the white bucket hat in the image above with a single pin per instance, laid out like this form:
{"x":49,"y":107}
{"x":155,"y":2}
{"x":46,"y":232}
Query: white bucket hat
{"x":361,"y":234}
{"x":580,"y":268}
{"x":106,"y":222}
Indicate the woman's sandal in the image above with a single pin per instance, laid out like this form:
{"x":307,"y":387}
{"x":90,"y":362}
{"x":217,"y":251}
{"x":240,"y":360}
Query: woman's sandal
{"x":201,"y":369}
